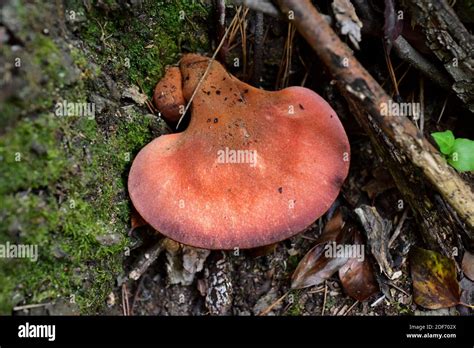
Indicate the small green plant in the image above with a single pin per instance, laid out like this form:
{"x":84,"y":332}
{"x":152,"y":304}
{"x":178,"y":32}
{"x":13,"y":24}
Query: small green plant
{"x":458,"y":152}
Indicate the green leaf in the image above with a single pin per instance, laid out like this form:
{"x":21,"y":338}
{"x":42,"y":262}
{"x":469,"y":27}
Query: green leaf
{"x":462,"y":155}
{"x":445,"y":141}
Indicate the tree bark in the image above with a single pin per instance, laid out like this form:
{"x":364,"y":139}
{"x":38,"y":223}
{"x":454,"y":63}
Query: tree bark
{"x":439,"y":229}
{"x":450,"y":42}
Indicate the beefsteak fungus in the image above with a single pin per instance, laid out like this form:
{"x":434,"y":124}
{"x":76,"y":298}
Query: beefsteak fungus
{"x":252,"y":168}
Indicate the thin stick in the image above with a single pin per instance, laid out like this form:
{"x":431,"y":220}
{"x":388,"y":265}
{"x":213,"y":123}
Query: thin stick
{"x":442,"y":110}
{"x":422,"y":103}
{"x":406,"y":52}
{"x":125,"y":304}
{"x":398,"y":288}
{"x":350,"y":308}
{"x":269,"y":308}
{"x":19,"y":308}
{"x":398,"y":228}
{"x":237,"y":43}
{"x":146,"y":260}
{"x":390,"y":71}
{"x":285,"y":64}
{"x":309,"y":238}
{"x":134,"y":300}
{"x":243,"y":35}
{"x":325,"y":297}
{"x":234,"y":26}
{"x":377,"y":301}
{"x":403,"y":76}
{"x":205,"y":72}
{"x":466,"y":305}
{"x":315,"y":291}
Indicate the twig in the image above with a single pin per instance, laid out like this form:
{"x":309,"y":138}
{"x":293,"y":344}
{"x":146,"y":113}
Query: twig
{"x":285,"y":64}
{"x":398,"y":228}
{"x":230,"y":48}
{"x":205,"y":72}
{"x":307,"y":71}
{"x":38,"y":305}
{"x":234,"y":26}
{"x":309,"y":238}
{"x":350,"y":308}
{"x":147,"y":101}
{"x":325,"y":297}
{"x":422,"y":105}
{"x":125,"y":304}
{"x":442,"y":110}
{"x":137,"y":291}
{"x":403,"y":75}
{"x":103,"y":36}
{"x":269,"y":308}
{"x":243,"y":36}
{"x":315,"y":291}
{"x":406,"y":52}
{"x":377,"y":301}
{"x":146,"y":260}
{"x":398,"y":288}
{"x":391,"y":71}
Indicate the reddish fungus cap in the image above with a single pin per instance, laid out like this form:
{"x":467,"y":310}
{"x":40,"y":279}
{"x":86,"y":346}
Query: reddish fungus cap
{"x":168,"y":96}
{"x":198,"y":189}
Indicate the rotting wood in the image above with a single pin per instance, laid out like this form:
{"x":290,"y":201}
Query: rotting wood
{"x":449,"y":41}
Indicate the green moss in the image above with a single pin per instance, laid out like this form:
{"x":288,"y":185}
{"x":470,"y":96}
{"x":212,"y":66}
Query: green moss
{"x":30,"y":159}
{"x":61,"y":208}
{"x":295,"y":308}
{"x":141,"y":46}
{"x":42,"y":69}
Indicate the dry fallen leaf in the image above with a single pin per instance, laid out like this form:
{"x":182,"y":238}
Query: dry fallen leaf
{"x":333,"y":226}
{"x":357,"y":276}
{"x":434,"y":279}
{"x":468,"y":265}
{"x":314,"y":268}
